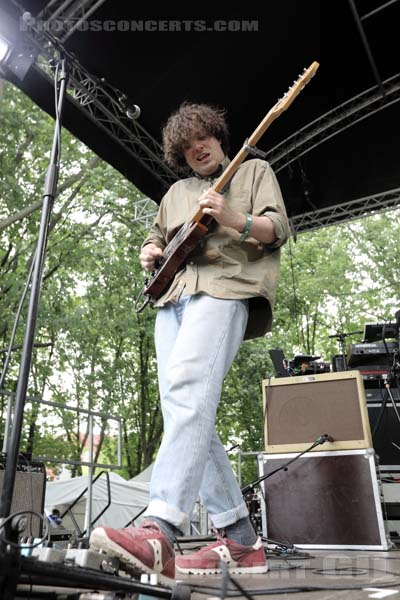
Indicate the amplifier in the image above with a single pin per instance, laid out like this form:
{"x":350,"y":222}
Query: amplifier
{"x":364,"y":353}
{"x":300,"y":409}
{"x":378,"y":394}
{"x":323,"y":500}
{"x":373,"y":369}
{"x":373,"y":375}
{"x":29,"y":493}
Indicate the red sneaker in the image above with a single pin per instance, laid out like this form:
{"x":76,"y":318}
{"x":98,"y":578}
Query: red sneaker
{"x":145,"y":549}
{"x":238,"y":558}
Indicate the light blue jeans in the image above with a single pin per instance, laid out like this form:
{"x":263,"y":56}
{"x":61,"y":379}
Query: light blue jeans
{"x":196,"y":342}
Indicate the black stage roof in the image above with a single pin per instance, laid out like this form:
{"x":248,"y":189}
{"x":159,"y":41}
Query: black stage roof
{"x":350,"y":153}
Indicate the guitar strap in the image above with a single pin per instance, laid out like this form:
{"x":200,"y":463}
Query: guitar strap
{"x":217,"y":173}
{"x":254,"y":151}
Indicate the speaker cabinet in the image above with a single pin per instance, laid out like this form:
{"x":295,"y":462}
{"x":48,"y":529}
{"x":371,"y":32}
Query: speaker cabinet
{"x":299,"y":409}
{"x":385,"y":427}
{"x":29,"y":492}
{"x":323,"y":500}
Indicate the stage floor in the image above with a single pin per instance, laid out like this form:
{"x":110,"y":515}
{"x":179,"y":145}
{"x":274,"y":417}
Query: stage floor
{"x":318,"y":574}
{"x":310,"y":575}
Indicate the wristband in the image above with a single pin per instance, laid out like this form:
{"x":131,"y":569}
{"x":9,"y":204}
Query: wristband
{"x":245,"y":232}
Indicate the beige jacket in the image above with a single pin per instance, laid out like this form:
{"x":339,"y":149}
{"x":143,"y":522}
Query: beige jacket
{"x":221,"y":265}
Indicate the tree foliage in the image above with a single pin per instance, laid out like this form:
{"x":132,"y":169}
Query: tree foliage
{"x":92,"y":350}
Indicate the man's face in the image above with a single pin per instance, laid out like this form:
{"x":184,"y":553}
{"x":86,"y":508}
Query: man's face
{"x":204,"y":154}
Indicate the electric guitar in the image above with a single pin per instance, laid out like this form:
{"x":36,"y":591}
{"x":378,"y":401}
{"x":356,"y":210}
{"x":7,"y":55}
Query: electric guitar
{"x":188,"y":236}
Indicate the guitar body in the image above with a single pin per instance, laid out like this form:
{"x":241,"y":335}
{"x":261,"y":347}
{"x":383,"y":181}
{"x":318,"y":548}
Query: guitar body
{"x":175,"y":254}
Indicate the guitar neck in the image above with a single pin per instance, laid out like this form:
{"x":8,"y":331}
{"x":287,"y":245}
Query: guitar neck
{"x":273,"y":114}
{"x":233,"y":166}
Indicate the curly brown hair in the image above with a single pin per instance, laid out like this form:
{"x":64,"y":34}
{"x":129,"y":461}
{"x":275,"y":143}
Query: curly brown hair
{"x":192,"y":120}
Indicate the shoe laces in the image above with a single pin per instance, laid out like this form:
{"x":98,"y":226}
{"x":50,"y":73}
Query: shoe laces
{"x":151,"y":525}
{"x":220,"y":540}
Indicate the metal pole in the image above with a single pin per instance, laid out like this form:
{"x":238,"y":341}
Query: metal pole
{"x":7,"y":424}
{"x":366,"y":46}
{"x":50,"y":190}
{"x":119,"y":446}
{"x":88,"y":513}
{"x":9,"y":554}
{"x":376,"y":10}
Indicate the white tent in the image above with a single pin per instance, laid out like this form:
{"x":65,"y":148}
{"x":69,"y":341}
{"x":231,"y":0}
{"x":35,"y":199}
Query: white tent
{"x":144,"y":475}
{"x":128,"y":498}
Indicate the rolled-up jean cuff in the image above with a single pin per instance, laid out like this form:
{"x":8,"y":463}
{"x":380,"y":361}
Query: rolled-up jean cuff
{"x":230,"y":516}
{"x":171,"y":514}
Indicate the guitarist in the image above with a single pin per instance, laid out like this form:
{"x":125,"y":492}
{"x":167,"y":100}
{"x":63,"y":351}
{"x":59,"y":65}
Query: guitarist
{"x":224,"y":294}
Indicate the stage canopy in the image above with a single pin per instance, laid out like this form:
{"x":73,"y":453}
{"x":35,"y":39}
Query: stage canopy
{"x":335,"y":150}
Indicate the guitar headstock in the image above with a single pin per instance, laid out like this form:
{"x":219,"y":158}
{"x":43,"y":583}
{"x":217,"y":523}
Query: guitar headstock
{"x":295,"y":89}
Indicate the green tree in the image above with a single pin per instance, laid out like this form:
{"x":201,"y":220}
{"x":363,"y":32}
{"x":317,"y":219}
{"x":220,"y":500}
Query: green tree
{"x":94,"y":352}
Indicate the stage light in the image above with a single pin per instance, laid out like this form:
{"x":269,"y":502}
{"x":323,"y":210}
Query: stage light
{"x":20,"y":60}
{"x":16,"y":59}
{"x":4,"y":49}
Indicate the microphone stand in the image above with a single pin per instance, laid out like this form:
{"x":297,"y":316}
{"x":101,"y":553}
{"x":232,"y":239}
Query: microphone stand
{"x":249,"y":488}
{"x":393,"y":372}
{"x":387,"y":378}
{"x":341,"y":339}
{"x":9,"y":525}
{"x":320,"y":440}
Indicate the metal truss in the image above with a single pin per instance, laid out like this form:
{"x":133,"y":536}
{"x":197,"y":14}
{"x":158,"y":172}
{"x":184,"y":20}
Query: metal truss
{"x":318,"y":131}
{"x":64,"y":17}
{"x":333,"y":122}
{"x":101,"y":102}
{"x":347,"y":211}
{"x":144,"y":211}
{"x":107,"y":108}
